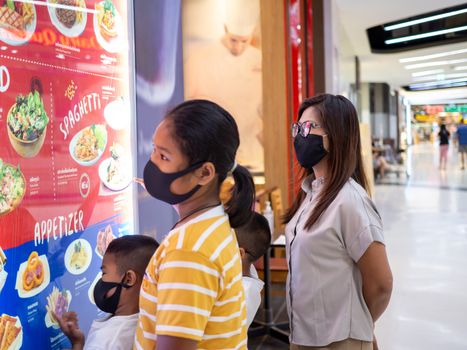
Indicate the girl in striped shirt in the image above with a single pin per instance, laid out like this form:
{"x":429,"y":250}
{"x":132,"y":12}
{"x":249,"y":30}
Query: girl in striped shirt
{"x":192,"y":295}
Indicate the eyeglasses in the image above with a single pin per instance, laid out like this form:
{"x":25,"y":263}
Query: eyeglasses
{"x":304,"y":128}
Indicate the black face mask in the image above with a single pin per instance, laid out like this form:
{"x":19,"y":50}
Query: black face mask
{"x":309,"y":150}
{"x":108,"y":304}
{"x":158,"y":183}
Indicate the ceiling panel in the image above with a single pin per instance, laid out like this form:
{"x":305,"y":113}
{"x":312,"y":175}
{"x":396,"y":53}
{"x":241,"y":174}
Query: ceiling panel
{"x":358,"y":15}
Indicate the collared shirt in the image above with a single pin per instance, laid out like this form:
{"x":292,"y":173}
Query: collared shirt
{"x":193,"y":287}
{"x":324,"y":286}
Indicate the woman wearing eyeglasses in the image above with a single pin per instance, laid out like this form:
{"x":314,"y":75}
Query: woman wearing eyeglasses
{"x":339,"y":280}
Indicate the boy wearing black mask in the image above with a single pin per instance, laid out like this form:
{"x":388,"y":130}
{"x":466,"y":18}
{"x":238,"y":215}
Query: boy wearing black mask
{"x":116,"y":293}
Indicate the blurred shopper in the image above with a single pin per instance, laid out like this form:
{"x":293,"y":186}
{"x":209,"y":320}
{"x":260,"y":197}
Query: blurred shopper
{"x":192,"y":295}
{"x":380,"y":165}
{"x":462,"y":139}
{"x":443,"y":146}
{"x":254,"y":240}
{"x":228,"y":72}
{"x":339,"y":280}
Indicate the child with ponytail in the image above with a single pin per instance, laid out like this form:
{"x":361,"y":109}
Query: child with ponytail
{"x":192,"y":295}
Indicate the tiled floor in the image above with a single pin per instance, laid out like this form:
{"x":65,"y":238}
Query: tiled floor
{"x":425,"y":219}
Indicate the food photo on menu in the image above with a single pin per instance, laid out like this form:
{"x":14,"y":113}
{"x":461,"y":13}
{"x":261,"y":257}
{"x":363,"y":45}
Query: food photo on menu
{"x":66,"y":17}
{"x":33,"y":276}
{"x":108,"y":26}
{"x":104,"y":238}
{"x":88,"y":145}
{"x":12,"y":187}
{"x":58,"y":302}
{"x":18,"y":21}
{"x":78,"y":256}
{"x":11,"y":332}
{"x":115,"y":172}
{"x":27,"y":122}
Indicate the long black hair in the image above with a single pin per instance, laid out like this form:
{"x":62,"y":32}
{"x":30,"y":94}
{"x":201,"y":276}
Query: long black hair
{"x":340,"y":121}
{"x":206,"y":132}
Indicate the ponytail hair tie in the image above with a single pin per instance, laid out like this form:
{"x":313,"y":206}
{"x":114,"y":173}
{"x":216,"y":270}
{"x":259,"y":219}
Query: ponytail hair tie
{"x":234,"y":166}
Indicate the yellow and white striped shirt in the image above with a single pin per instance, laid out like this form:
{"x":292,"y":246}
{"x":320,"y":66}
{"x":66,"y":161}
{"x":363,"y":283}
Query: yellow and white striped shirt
{"x":193,"y":287}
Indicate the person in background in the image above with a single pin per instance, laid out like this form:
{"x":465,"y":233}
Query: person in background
{"x":339,"y":280}
{"x":462,"y":139}
{"x":227,"y":71}
{"x":116,"y":293}
{"x":380,"y":164}
{"x":192,"y":295}
{"x":254,"y":240}
{"x":443,"y":146}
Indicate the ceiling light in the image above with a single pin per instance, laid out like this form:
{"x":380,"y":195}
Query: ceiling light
{"x":429,"y":57}
{"x":435,"y":63}
{"x":440,"y":76}
{"x":460,"y":68}
{"x":440,"y":86}
{"x":437,"y":83}
{"x":424,"y":35}
{"x":424,"y":20}
{"x":427,"y":72}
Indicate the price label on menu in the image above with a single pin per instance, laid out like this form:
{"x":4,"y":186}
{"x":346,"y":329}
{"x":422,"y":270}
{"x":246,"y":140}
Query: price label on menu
{"x":65,"y":159}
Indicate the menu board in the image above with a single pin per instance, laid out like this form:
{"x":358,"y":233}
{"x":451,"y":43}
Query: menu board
{"x":66,"y":164}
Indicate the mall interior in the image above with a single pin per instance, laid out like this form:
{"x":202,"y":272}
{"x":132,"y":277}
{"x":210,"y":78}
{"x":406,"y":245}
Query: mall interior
{"x":83,"y":86}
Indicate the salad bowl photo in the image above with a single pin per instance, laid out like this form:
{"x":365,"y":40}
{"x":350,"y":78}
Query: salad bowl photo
{"x":27,"y":124}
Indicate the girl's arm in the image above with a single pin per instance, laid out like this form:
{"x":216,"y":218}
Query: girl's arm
{"x":166,"y":342}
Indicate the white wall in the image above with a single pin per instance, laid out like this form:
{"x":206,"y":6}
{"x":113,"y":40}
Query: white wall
{"x":339,"y":53}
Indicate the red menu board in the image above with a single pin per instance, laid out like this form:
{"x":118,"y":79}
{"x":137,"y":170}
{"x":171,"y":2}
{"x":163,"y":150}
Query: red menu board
{"x":66,"y":164}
